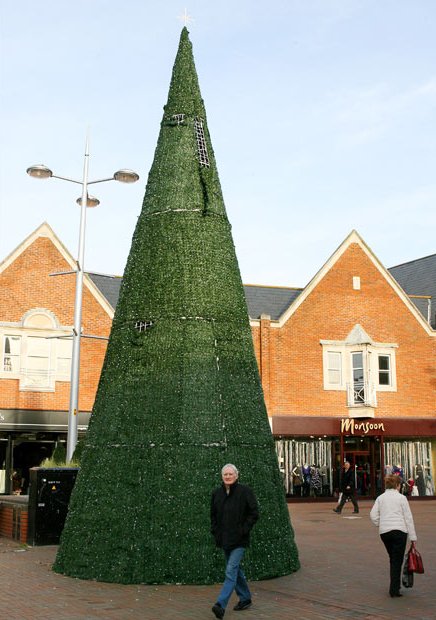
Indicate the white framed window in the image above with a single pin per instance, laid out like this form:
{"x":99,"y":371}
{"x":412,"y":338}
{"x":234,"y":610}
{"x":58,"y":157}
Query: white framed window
{"x":36,"y":351}
{"x":359,"y":366}
{"x":358,"y":387}
{"x":36,"y":372}
{"x":333,"y":363}
{"x":334,"y":367}
{"x":64,"y":351}
{"x":384,"y":370}
{"x":11,"y":354}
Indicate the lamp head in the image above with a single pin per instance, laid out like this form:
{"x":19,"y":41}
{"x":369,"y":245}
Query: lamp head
{"x":39,"y":172}
{"x":91,"y":201}
{"x":126,"y":176}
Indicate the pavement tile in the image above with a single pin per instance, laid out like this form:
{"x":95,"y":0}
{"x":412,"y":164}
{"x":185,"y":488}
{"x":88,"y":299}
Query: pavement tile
{"x":344,"y":575}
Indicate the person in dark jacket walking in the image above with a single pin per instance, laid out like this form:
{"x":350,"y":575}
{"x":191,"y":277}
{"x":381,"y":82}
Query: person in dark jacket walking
{"x":347,"y":488}
{"x":233,"y":513}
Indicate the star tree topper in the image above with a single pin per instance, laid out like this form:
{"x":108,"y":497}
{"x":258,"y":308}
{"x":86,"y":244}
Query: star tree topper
{"x":186,"y":18}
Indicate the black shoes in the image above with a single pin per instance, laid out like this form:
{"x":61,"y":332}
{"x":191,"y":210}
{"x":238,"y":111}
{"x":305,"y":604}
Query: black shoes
{"x":218,"y":611}
{"x":393,"y":594}
{"x":337,"y":511}
{"x":355,"y":512}
{"x":242,"y":605}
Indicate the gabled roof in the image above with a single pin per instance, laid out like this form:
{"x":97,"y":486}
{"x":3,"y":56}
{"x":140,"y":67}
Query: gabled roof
{"x":109,"y":286}
{"x":271,"y":300}
{"x":418,"y":279}
{"x":353,"y":237}
{"x":45,"y":230}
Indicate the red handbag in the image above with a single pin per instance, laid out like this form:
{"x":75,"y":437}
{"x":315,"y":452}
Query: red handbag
{"x":414,"y":560}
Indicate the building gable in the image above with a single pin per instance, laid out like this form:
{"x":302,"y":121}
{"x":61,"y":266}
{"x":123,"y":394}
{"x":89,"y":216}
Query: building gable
{"x":353,"y":238}
{"x":45,"y":232}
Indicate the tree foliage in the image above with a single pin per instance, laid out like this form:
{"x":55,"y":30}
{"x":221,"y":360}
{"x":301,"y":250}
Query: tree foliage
{"x":180,"y":394}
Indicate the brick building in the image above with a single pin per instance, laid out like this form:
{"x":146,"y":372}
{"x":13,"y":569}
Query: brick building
{"x":348,"y":370}
{"x":36,"y":318}
{"x":347,"y":363}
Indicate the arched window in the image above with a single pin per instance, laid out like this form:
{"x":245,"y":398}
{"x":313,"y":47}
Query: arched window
{"x":36,"y":350}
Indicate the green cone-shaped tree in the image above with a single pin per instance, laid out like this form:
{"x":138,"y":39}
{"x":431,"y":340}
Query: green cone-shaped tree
{"x":179,"y":395}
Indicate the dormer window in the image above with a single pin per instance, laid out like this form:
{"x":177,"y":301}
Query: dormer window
{"x":360,"y":367}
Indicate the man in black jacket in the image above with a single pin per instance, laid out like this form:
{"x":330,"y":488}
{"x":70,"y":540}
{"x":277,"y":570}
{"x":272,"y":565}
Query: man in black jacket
{"x":347,"y":488}
{"x":233,"y":513}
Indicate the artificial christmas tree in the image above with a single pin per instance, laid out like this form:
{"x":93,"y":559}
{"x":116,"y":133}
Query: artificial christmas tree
{"x":179,"y":395}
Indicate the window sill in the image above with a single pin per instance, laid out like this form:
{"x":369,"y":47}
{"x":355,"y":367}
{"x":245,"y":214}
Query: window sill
{"x":361,"y":411}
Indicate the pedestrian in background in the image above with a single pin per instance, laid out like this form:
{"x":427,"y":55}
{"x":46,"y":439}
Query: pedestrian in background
{"x":391,"y":513}
{"x":347,"y":489}
{"x":233,"y":513}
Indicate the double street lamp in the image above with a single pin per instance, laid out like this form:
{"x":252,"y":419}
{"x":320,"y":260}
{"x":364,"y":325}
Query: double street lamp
{"x":124,"y":176}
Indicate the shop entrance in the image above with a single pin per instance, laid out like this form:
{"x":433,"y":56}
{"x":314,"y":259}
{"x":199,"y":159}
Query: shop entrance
{"x":364,"y":456}
{"x":18,"y":453}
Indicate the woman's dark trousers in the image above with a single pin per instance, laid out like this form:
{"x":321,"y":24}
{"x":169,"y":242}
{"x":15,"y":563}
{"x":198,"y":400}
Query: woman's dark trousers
{"x":395,"y":543}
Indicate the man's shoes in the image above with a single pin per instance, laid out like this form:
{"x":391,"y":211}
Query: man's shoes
{"x":242,"y":605}
{"x":355,"y":512}
{"x":218,"y":611}
{"x":337,"y":511}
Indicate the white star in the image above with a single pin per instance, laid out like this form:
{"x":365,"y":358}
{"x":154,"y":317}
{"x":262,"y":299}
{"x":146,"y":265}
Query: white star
{"x":185,"y":18}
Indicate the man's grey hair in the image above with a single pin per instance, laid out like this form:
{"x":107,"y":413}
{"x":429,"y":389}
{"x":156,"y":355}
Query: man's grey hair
{"x":231,"y":466}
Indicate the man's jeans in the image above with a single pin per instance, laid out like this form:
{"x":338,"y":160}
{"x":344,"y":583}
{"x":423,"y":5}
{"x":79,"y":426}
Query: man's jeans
{"x":235,"y":578}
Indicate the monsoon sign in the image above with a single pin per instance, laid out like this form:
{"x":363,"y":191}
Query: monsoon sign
{"x":351,"y":426}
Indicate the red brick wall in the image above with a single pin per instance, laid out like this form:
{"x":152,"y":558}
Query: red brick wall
{"x":14,"y":522}
{"x":289,"y":358}
{"x":25,"y":285}
{"x":294,"y":378}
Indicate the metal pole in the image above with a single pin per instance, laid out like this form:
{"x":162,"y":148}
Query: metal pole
{"x":75,"y":359}
{"x":124,"y":176}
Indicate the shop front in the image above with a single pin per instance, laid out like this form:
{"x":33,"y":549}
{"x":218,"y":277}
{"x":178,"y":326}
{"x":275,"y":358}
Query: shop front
{"x":27,"y":438}
{"x":311,"y":451}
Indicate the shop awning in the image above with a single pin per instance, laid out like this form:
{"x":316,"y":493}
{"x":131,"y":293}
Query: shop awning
{"x":39,"y":421}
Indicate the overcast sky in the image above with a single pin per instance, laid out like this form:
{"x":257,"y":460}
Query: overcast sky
{"x":321,"y":113}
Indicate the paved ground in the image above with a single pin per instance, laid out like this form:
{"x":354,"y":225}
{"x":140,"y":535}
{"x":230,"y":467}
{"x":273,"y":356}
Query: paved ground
{"x":344,"y":575}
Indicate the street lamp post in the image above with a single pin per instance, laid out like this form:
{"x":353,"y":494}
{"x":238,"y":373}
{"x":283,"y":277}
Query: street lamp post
{"x":124,"y":176}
